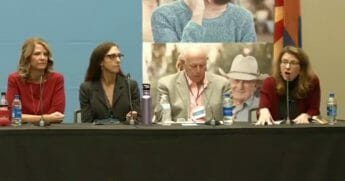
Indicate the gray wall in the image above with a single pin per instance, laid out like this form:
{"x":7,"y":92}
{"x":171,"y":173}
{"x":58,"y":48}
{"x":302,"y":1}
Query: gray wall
{"x":73,"y":28}
{"x":323,"y":31}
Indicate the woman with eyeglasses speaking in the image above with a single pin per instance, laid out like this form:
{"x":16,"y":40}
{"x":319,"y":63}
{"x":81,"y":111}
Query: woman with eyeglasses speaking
{"x":293,"y":90}
{"x":107,"y":94}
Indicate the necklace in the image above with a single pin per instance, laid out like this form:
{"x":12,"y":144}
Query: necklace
{"x":36,"y":108}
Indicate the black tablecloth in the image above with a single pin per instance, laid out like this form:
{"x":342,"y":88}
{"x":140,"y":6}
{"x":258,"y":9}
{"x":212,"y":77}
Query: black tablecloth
{"x":118,"y":152}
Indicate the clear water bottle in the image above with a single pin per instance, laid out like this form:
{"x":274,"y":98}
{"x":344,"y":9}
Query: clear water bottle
{"x":3,"y":100}
{"x":165,"y":109}
{"x":227,"y":109}
{"x":16,"y":111}
{"x":4,"y":112}
{"x":146,"y":109}
{"x":331,"y":109}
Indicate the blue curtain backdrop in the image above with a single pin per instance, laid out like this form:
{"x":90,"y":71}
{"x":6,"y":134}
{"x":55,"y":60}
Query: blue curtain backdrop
{"x":73,"y":29}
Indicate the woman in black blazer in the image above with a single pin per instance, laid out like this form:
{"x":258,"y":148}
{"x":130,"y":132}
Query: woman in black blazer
{"x":104,"y":95}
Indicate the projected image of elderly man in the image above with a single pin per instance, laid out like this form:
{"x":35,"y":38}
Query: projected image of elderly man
{"x":244,"y":78}
{"x":192,"y":92}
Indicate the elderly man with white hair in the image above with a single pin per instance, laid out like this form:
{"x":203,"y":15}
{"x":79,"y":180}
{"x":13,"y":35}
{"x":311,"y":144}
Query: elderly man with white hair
{"x":192,"y":92}
{"x":244,"y":76}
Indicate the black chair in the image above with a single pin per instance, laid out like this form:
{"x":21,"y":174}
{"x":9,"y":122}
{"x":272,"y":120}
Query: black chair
{"x":252,"y":115}
{"x":77,"y":116}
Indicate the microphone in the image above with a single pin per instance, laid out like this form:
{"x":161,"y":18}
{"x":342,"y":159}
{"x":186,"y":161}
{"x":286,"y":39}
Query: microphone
{"x":131,"y":119}
{"x":288,"y":121}
{"x":42,"y":122}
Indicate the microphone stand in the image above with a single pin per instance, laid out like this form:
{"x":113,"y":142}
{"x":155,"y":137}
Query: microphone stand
{"x":41,"y":122}
{"x":131,"y":120}
{"x":288,"y":121}
{"x":213,"y":121}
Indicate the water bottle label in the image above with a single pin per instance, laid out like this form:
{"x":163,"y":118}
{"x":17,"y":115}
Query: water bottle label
{"x":227,"y":111}
{"x":17,"y":113}
{"x":146,"y":107}
{"x":165,"y":106}
{"x":146,"y":96}
{"x":331,"y":111}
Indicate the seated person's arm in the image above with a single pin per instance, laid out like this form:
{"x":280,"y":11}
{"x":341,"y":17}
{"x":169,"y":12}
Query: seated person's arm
{"x":161,"y":89}
{"x":164,"y":28}
{"x":265,"y":117}
{"x":314,"y":99}
{"x":56,"y":111}
{"x":313,"y":104}
{"x":55,"y":117}
{"x":302,"y":119}
{"x":84,"y":100}
{"x":248,"y":33}
{"x":135,"y":95}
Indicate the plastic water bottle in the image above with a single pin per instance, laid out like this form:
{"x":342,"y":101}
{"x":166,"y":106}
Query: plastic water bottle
{"x":227,"y":109}
{"x":16,"y":111}
{"x":3,"y":100}
{"x":331,"y":109}
{"x":4,"y":112}
{"x":146,"y":101}
{"x":165,"y":109}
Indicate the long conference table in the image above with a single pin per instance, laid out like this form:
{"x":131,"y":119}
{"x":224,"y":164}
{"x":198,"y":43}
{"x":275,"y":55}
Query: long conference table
{"x":137,"y":152}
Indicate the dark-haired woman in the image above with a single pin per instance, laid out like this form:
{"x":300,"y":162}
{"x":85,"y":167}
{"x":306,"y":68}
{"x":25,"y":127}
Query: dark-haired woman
{"x":104,"y":95}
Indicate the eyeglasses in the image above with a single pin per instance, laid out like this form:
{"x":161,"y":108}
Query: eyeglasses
{"x":291,"y":63}
{"x":115,"y":55}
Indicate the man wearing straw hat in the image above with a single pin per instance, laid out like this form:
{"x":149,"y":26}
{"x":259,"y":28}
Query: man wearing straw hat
{"x":244,"y":77}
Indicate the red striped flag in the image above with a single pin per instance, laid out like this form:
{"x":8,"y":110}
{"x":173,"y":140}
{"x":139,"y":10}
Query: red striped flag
{"x":287,"y":25}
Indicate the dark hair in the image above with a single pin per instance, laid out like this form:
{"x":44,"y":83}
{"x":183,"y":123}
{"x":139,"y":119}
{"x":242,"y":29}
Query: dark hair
{"x":305,"y":77}
{"x":28,"y":49}
{"x":94,"y":70}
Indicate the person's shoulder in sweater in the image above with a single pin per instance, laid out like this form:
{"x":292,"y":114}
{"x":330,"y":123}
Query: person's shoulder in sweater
{"x":172,"y":23}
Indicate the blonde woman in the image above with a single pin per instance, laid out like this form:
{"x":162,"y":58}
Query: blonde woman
{"x":41,"y":90}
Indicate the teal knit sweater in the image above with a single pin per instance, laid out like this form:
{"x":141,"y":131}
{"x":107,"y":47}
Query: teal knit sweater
{"x":172,"y":23}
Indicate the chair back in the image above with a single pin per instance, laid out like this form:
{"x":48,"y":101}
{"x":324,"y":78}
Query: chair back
{"x":252,"y":117}
{"x":77,"y":116}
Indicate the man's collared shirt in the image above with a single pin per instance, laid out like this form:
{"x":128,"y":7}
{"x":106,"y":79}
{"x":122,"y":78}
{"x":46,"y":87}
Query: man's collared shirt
{"x":196,"y":95}
{"x":241,"y":112}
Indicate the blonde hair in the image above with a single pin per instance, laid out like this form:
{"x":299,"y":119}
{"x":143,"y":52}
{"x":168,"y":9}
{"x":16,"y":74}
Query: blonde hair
{"x":27,"y":51}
